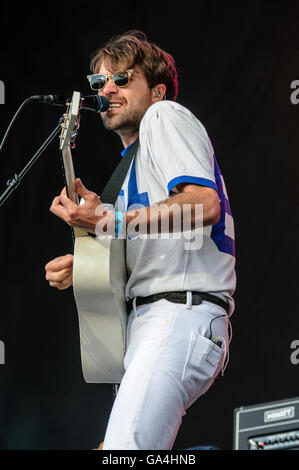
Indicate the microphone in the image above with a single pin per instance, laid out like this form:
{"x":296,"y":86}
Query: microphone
{"x":95,"y":103}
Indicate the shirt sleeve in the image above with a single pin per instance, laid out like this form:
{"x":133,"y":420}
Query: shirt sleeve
{"x":178,"y":146}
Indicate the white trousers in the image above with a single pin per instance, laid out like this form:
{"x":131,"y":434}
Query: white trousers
{"x":172,"y":359}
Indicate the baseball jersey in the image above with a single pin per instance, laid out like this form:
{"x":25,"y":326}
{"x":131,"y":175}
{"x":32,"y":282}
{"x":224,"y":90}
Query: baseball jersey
{"x":174,"y":148}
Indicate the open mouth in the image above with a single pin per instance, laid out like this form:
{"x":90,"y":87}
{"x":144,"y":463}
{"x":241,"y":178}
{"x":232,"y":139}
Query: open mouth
{"x":115,"y":105}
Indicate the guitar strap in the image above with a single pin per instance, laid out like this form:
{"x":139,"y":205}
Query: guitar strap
{"x":113,"y":186}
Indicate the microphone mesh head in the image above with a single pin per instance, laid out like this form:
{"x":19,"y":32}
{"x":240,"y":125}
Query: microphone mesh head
{"x":96,"y":103}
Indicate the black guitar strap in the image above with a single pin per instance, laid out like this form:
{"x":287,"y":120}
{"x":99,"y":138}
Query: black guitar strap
{"x":113,"y":186}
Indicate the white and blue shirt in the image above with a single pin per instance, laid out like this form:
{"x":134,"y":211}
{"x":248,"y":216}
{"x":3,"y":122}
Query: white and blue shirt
{"x":174,"y":148}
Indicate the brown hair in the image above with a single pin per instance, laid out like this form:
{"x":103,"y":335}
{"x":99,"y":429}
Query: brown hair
{"x":132,"y":48}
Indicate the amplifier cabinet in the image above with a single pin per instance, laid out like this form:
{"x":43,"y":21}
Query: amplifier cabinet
{"x":267,"y":426}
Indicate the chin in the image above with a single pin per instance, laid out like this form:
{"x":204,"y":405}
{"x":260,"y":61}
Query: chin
{"x":110,"y":123}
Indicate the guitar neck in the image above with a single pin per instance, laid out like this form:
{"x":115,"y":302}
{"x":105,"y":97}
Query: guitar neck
{"x":69,"y":173}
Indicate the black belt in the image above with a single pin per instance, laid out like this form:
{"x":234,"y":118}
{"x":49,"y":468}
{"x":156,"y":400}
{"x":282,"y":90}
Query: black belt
{"x":181,"y":298}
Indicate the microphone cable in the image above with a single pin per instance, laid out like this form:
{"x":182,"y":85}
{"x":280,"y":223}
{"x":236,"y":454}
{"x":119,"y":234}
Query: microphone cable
{"x":13,"y":120}
{"x":94,"y":103}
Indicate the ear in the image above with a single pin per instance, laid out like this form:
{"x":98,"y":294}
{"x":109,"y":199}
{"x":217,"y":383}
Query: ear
{"x":158,"y":92}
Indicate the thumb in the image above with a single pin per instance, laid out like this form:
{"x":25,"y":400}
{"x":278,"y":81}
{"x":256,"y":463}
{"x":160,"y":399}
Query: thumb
{"x":80,"y":188}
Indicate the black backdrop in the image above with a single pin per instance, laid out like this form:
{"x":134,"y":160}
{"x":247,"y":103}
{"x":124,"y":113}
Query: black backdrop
{"x":236,"y":65}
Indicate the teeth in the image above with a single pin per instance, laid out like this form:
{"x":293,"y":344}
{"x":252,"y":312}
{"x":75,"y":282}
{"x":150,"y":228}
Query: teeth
{"x":115,"y":105}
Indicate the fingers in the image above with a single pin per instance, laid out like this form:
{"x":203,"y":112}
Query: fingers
{"x":77,"y":215}
{"x":63,"y":284}
{"x":58,"y":276}
{"x":65,"y":208}
{"x":59,"y":272}
{"x":66,"y":201}
{"x":60,"y":263}
{"x":57,"y":208}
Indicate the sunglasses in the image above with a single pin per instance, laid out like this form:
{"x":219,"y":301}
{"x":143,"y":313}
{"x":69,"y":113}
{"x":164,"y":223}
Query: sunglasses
{"x":97,"y":81}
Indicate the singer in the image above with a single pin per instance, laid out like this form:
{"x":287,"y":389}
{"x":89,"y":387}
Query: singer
{"x":180,"y":299}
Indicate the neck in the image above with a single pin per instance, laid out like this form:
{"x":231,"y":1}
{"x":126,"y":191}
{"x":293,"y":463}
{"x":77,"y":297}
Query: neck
{"x":128,"y":138}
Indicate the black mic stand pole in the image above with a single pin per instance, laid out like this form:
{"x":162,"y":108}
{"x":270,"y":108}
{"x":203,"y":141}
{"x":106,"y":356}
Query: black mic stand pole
{"x":14,"y":182}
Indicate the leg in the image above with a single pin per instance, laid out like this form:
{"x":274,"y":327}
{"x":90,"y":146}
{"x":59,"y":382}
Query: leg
{"x":170,"y":362}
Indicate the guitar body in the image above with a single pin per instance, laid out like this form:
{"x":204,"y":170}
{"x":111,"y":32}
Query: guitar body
{"x":99,"y":280}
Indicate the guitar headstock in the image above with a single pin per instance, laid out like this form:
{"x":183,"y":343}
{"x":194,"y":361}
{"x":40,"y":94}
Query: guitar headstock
{"x":71,"y":123}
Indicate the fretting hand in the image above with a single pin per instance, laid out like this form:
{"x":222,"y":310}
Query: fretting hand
{"x":85,"y":215}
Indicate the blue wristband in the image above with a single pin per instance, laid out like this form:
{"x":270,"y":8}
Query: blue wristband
{"x":119,"y":224}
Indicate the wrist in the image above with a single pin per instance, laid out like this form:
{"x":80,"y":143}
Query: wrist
{"x":120,"y":224}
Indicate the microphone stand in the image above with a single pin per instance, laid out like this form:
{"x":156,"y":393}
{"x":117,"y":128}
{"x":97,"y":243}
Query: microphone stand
{"x":14,"y":182}
{"x":94,"y":103}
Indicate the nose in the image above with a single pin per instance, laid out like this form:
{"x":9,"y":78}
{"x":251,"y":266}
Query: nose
{"x":110,"y":87}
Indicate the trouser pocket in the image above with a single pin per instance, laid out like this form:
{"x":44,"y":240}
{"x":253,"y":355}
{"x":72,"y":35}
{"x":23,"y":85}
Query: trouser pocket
{"x":202,"y":366}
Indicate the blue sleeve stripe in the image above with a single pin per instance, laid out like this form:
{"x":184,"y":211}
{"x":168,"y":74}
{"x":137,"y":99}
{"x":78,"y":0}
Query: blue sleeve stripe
{"x":191,"y":179}
{"x":227,"y":206}
{"x":227,"y":245}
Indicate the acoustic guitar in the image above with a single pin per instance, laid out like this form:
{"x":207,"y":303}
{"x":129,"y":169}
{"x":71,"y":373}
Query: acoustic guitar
{"x":99,"y":279}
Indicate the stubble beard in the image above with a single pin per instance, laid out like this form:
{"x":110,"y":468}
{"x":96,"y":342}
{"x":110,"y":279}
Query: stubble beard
{"x":127,"y":122}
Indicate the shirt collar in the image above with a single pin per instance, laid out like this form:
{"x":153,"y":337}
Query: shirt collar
{"x":123,"y":153}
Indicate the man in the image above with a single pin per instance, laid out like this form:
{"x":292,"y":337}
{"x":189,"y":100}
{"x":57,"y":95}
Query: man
{"x":180,"y":292}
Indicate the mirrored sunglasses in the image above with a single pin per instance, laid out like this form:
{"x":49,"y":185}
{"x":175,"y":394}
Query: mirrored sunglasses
{"x":98,"y":81}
